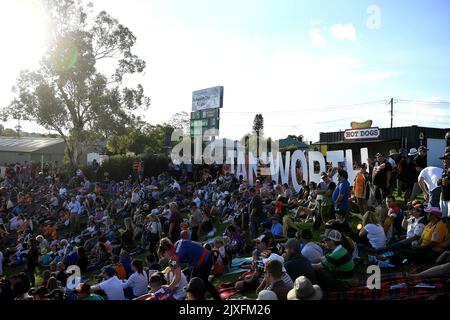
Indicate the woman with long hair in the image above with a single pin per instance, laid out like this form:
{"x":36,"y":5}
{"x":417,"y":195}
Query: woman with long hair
{"x":137,"y":284}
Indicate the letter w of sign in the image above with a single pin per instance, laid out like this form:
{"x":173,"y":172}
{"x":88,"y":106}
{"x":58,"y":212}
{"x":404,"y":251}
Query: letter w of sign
{"x":374,"y":281}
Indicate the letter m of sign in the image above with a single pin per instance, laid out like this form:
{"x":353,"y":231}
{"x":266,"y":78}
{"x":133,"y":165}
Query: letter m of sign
{"x":374,"y":281}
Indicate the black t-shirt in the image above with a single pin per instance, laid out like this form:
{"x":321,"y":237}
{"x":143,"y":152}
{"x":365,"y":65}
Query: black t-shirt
{"x":380,"y":176}
{"x":257,"y":204}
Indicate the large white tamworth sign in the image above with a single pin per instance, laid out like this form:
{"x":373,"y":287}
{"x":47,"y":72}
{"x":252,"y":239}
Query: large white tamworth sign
{"x":283,"y":167}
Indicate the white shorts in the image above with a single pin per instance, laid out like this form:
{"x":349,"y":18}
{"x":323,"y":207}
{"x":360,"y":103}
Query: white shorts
{"x":445,"y":209}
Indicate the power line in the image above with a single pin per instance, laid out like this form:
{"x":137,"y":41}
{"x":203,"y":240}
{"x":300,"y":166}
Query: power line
{"x":423,"y":101}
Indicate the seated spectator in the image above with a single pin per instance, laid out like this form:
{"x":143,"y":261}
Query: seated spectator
{"x":83,"y":292}
{"x":111,"y":286}
{"x":120,"y":269}
{"x":196,"y":289}
{"x":276,"y":228}
{"x":393,"y":223}
{"x":311,"y":250}
{"x":305,"y":290}
{"x":296,"y":264}
{"x":336,"y":270}
{"x":267,"y":295}
{"x":137,"y":284}
{"x":273,"y":281}
{"x":372,"y":234}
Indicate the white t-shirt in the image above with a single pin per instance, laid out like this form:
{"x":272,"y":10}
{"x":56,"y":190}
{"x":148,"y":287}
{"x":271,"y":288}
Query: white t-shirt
{"x":179,"y":293}
{"x":376,"y":235}
{"x":138,"y":282}
{"x":431,"y":175}
{"x":313,"y":252}
{"x":113,"y":288}
{"x":415,"y":228}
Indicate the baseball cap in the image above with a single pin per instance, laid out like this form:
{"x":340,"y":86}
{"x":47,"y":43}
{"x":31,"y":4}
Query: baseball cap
{"x":379,"y":154}
{"x":334,"y":235}
{"x":262,"y":238}
{"x":195,"y":285}
{"x":434,"y":211}
{"x":274,"y":256}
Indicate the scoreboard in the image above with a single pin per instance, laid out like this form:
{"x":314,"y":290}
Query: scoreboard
{"x":203,"y":120}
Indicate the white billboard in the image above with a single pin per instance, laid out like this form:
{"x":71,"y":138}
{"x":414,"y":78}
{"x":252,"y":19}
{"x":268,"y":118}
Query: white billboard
{"x":211,"y":98}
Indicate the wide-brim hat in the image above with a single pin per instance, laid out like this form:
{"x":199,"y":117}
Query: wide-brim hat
{"x":305,"y":290}
{"x":393,"y":152}
{"x":412,"y":152}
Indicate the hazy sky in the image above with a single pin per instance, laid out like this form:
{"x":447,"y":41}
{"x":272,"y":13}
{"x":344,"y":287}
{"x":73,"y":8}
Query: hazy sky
{"x":294,"y":61}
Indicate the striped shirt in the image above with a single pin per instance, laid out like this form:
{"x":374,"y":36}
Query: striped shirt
{"x":340,"y":264}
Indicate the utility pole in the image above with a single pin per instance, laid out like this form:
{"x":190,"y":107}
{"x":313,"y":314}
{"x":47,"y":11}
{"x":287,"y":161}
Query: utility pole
{"x":392,"y":112}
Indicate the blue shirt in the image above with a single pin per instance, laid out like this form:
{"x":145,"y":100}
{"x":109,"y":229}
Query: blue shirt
{"x":277,"y":230}
{"x":343,"y":188}
{"x":189,"y":252}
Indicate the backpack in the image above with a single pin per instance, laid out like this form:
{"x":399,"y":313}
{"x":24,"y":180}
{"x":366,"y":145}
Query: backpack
{"x":218,"y":263}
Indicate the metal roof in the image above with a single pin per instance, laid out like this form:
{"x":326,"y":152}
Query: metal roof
{"x":27,"y":144}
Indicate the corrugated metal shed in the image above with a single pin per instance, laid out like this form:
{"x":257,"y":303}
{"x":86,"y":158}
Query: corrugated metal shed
{"x":409,"y":134}
{"x":26,"y":145}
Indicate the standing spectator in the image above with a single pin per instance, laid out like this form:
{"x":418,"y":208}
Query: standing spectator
{"x":361,"y":188}
{"x":341,"y":194}
{"x":32,"y":260}
{"x":193,"y":254}
{"x":175,"y":221}
{"x":74,"y":208}
{"x":405,"y":170}
{"x":428,"y":183}
{"x":256,"y":213}
{"x":444,"y":182}
{"x":381,"y":176}
{"x":95,"y":166}
{"x":419,"y":163}
{"x":195,"y":220}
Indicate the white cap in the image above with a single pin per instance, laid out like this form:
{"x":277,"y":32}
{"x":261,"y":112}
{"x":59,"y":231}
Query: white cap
{"x":334,"y":235}
{"x":275,"y":256}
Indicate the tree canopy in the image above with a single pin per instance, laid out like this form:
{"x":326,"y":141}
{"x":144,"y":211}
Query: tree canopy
{"x":70,"y":92}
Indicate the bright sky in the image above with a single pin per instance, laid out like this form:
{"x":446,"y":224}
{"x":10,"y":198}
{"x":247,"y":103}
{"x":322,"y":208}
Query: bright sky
{"x":293,"y":61}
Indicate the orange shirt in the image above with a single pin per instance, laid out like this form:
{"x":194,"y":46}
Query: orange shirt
{"x":121,"y":273}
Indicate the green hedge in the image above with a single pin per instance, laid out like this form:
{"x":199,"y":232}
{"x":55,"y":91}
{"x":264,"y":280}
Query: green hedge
{"x":120,"y":167}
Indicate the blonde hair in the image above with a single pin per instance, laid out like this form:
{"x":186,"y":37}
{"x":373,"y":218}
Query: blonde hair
{"x":370,"y":218}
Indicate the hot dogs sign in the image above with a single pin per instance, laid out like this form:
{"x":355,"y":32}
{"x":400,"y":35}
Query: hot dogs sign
{"x":361,"y":130}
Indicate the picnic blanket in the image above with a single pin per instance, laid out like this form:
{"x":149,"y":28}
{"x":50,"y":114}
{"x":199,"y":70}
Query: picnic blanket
{"x":226,"y":290}
{"x":236,"y":266}
{"x":395,"y":286}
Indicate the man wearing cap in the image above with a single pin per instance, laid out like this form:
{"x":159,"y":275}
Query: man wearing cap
{"x":83,"y":292}
{"x":336,"y":270}
{"x":444,"y":183}
{"x":111,"y":286}
{"x":341,"y":194}
{"x":381,"y":176}
{"x":428,"y":182}
{"x":296,"y":264}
